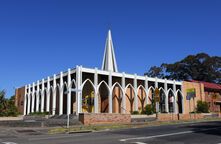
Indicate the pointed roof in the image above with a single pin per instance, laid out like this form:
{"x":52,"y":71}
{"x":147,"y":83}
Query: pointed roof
{"x":109,"y":60}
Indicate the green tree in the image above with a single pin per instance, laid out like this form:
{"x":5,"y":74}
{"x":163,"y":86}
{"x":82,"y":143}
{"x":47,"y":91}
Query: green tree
{"x":3,"y":103}
{"x":200,"y":67}
{"x":7,"y":106}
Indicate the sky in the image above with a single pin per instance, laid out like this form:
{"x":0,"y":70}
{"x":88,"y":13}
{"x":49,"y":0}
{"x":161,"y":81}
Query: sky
{"x":43,"y":37}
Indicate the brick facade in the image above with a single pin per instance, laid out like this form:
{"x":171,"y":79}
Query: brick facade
{"x":104,"y":118}
{"x":169,"y":117}
{"x":19,"y":99}
{"x":190,"y":105}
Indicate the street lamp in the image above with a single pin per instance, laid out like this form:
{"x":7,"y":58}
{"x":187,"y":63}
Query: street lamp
{"x":68,"y":114}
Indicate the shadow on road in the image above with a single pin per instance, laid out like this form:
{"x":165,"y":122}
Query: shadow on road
{"x":210,"y":128}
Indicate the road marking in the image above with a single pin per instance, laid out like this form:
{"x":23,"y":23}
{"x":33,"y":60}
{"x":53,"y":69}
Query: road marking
{"x":165,"y":135}
{"x":57,"y":137}
{"x":9,"y":143}
{"x":139,"y":143}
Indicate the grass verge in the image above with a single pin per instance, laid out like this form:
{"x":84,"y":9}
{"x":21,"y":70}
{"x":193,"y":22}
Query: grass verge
{"x":104,"y":127}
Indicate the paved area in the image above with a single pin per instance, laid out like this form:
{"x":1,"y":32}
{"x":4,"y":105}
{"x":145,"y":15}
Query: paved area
{"x":196,"y":133}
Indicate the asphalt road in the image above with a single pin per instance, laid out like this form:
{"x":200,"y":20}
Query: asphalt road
{"x":195,"y":133}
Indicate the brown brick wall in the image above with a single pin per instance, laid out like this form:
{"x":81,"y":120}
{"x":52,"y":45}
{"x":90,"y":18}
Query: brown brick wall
{"x":213,"y":107}
{"x":104,"y":118}
{"x":169,"y":117}
{"x":19,"y":99}
{"x":189,"y":106}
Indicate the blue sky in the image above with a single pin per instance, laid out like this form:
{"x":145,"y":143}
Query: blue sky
{"x":40,"y":38}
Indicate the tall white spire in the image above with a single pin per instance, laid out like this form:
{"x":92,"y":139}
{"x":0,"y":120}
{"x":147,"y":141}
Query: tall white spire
{"x":109,"y":60}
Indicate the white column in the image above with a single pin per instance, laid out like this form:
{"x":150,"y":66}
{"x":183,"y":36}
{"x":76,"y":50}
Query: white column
{"x":54,"y":95}
{"x":157,"y":103}
{"x":48,"y":95}
{"x":123,"y":96}
{"x":42,"y":95}
{"x":33,"y":98}
{"x":110,"y":102}
{"x":181,"y":89}
{"x":29,"y":98}
{"x":78,"y":86}
{"x":175,"y":97}
{"x":146,"y":89}
{"x":61,"y":94}
{"x":96,"y":91}
{"x":25,"y":101}
{"x":166,"y":96}
{"x":37,"y":97}
{"x":156,"y":82}
{"x":69,"y":93}
{"x":135,"y":93}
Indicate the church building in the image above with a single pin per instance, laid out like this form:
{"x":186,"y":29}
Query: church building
{"x":106,"y":90}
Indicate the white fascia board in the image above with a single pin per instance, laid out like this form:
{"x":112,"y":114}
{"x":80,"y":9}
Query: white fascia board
{"x":73,"y":70}
{"x":116,"y":74}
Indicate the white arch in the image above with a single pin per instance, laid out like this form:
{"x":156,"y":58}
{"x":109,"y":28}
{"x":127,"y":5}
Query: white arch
{"x":142,"y":87}
{"x":117,"y":84}
{"x":143,"y":99}
{"x":179,"y":91}
{"x":168,"y":91}
{"x":57,"y":86}
{"x":51,"y":88}
{"x":44,"y":91}
{"x":151,"y":87}
{"x":103,"y":82}
{"x":174,"y":95}
{"x":87,"y":80}
{"x":162,"y":90}
{"x":130,"y":85}
{"x":73,"y":82}
{"x":65,"y":85}
{"x":182,"y":99}
{"x":148,"y":91}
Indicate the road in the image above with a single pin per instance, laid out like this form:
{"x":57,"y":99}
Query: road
{"x":194,"y":133}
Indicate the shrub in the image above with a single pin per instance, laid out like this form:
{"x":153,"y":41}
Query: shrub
{"x":135,"y":113}
{"x":12,"y":111}
{"x":202,"y":107}
{"x":149,"y":109}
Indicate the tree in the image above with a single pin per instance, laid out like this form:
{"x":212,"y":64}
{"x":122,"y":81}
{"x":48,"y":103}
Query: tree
{"x":156,"y":72}
{"x":200,"y":67}
{"x":3,"y":103}
{"x":7,"y":106}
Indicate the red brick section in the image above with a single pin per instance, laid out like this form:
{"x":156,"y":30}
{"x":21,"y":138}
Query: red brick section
{"x":19,"y":99}
{"x":104,"y":118}
{"x":169,"y":117}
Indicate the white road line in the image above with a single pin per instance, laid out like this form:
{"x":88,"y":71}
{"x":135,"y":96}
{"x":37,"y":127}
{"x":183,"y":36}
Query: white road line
{"x":165,"y":135}
{"x":57,"y":137}
{"x":139,"y":143}
{"x":9,"y":143}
